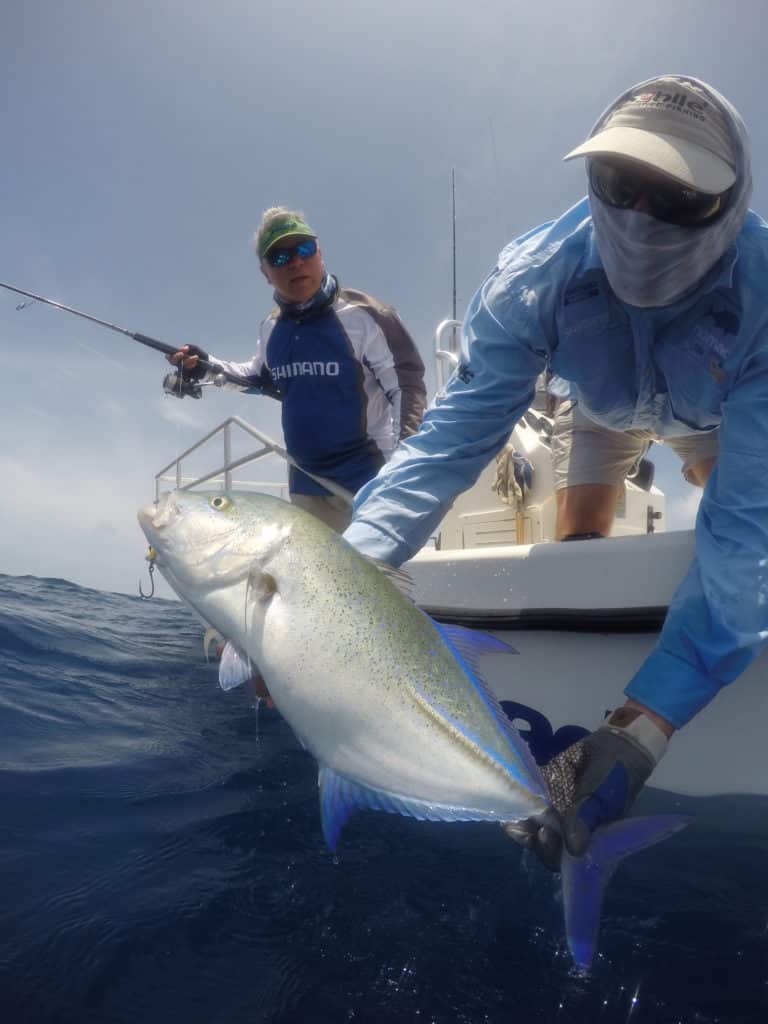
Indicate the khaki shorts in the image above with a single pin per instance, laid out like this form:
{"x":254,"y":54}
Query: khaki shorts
{"x":333,"y":511}
{"x":583,"y":452}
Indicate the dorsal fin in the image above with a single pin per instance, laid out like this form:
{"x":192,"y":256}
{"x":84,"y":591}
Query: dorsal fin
{"x":401,"y":579}
{"x":470,"y":646}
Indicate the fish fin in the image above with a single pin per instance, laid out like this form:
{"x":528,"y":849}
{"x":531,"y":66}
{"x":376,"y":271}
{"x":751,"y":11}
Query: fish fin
{"x":338,"y":801}
{"x":460,"y":640}
{"x":211,"y":636}
{"x":340,"y":798}
{"x":527,"y":773}
{"x":585,"y":878}
{"x":234,"y":667}
{"x":471,"y":643}
{"x":261,"y":586}
{"x":401,"y":579}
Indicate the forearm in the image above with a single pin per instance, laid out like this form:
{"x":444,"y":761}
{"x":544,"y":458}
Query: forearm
{"x":717,"y":621}
{"x":251,"y":371}
{"x":397,"y":511}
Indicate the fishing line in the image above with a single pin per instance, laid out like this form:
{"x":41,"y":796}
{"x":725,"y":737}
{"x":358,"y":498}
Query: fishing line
{"x":245,"y":384}
{"x":145,"y":339}
{"x":102,"y":355}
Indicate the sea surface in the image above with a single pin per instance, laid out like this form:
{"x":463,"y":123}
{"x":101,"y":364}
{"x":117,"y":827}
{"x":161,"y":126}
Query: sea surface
{"x":161,"y":860}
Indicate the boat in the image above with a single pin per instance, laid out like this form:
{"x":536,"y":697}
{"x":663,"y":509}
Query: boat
{"x":581,"y":616}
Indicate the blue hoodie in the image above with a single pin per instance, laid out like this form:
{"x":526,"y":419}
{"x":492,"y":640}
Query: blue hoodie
{"x":692,"y":366}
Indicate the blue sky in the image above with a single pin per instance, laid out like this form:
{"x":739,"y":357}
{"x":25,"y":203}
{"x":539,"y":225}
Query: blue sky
{"x":142,"y":140}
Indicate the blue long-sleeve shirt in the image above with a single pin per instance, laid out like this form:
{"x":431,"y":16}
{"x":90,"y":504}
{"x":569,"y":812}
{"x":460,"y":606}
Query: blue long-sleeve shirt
{"x":697,"y":364}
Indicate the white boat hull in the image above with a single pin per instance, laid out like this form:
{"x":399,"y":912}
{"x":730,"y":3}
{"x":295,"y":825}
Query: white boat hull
{"x":583,"y":616}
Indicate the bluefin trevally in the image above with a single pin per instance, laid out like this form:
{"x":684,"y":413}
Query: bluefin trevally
{"x":391,"y":704}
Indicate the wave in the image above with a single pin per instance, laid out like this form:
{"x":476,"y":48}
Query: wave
{"x":162,"y":859}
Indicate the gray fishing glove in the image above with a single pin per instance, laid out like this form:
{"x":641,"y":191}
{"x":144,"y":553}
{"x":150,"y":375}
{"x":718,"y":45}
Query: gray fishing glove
{"x":593,"y":782}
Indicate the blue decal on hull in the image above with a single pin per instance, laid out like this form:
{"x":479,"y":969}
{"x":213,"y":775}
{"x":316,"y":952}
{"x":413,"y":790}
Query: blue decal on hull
{"x":544,"y":742}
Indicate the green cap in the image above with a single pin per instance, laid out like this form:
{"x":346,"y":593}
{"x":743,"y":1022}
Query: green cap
{"x":282,"y":228}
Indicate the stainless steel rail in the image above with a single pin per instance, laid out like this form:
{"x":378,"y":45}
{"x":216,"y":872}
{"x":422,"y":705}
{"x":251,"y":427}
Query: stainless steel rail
{"x":225,"y":470}
{"x":447,"y":359}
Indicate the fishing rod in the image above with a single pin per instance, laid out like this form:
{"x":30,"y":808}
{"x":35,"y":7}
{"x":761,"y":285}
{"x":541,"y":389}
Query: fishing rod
{"x":173,"y":383}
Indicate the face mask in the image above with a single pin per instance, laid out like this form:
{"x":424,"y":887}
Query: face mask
{"x":650,"y":263}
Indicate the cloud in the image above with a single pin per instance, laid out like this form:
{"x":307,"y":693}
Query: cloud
{"x":73,"y":526}
{"x":174,"y":411}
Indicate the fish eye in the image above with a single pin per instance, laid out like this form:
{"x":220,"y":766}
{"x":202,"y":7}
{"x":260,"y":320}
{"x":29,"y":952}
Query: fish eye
{"x":221,"y":503}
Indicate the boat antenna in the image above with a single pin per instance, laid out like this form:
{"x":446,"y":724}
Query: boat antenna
{"x":144,"y":339}
{"x":453,"y":237}
{"x":454,"y":343}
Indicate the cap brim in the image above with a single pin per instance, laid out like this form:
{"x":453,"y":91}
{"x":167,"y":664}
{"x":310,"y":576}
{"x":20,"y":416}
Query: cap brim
{"x":689,"y":164}
{"x":288,"y":234}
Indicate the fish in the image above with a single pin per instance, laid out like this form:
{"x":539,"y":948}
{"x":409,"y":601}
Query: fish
{"x":390,"y":703}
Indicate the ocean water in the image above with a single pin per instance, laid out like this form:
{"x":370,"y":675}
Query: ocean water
{"x":161,"y":859}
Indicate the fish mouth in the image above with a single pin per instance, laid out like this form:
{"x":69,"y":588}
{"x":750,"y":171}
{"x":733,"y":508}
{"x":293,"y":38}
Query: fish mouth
{"x":155,"y":517}
{"x":146,"y":517}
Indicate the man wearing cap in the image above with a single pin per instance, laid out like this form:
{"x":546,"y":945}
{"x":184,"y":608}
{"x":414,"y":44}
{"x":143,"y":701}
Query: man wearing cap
{"x":348,"y":373}
{"x":645,"y":301}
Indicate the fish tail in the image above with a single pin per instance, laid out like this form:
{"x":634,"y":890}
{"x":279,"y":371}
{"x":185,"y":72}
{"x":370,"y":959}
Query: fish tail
{"x":585,"y":878}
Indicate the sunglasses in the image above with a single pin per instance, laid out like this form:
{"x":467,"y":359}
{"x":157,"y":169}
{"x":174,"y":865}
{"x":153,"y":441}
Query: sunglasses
{"x":623,"y":185}
{"x":282,"y":257}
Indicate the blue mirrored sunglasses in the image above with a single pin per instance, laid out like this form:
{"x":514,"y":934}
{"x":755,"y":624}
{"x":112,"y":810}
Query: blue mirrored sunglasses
{"x":278,"y":257}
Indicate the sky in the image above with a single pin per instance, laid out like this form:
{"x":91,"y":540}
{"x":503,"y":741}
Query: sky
{"x":142,"y":141}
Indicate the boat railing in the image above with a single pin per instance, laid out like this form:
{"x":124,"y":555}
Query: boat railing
{"x":173,"y":474}
{"x":479,"y":517}
{"x":446,"y":355}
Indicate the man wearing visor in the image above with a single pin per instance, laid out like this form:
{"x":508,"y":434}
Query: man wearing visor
{"x":645,"y":303}
{"x":349,"y":375}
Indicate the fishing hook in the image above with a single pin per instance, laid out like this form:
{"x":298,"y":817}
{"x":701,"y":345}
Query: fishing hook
{"x":151,"y":559}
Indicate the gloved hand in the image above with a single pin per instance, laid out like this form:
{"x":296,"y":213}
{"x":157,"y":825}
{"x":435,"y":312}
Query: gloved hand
{"x":593,"y":782}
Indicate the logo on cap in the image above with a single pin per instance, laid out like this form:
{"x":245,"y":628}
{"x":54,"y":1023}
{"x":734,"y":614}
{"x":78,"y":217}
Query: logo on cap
{"x":677,"y":101}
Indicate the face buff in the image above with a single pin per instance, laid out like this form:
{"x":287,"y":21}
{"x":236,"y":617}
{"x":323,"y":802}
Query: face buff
{"x":651,"y":263}
{"x":322,"y":298}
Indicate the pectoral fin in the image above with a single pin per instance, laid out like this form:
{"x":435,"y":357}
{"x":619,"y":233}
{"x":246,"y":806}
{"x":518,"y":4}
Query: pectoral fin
{"x":234,"y":668}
